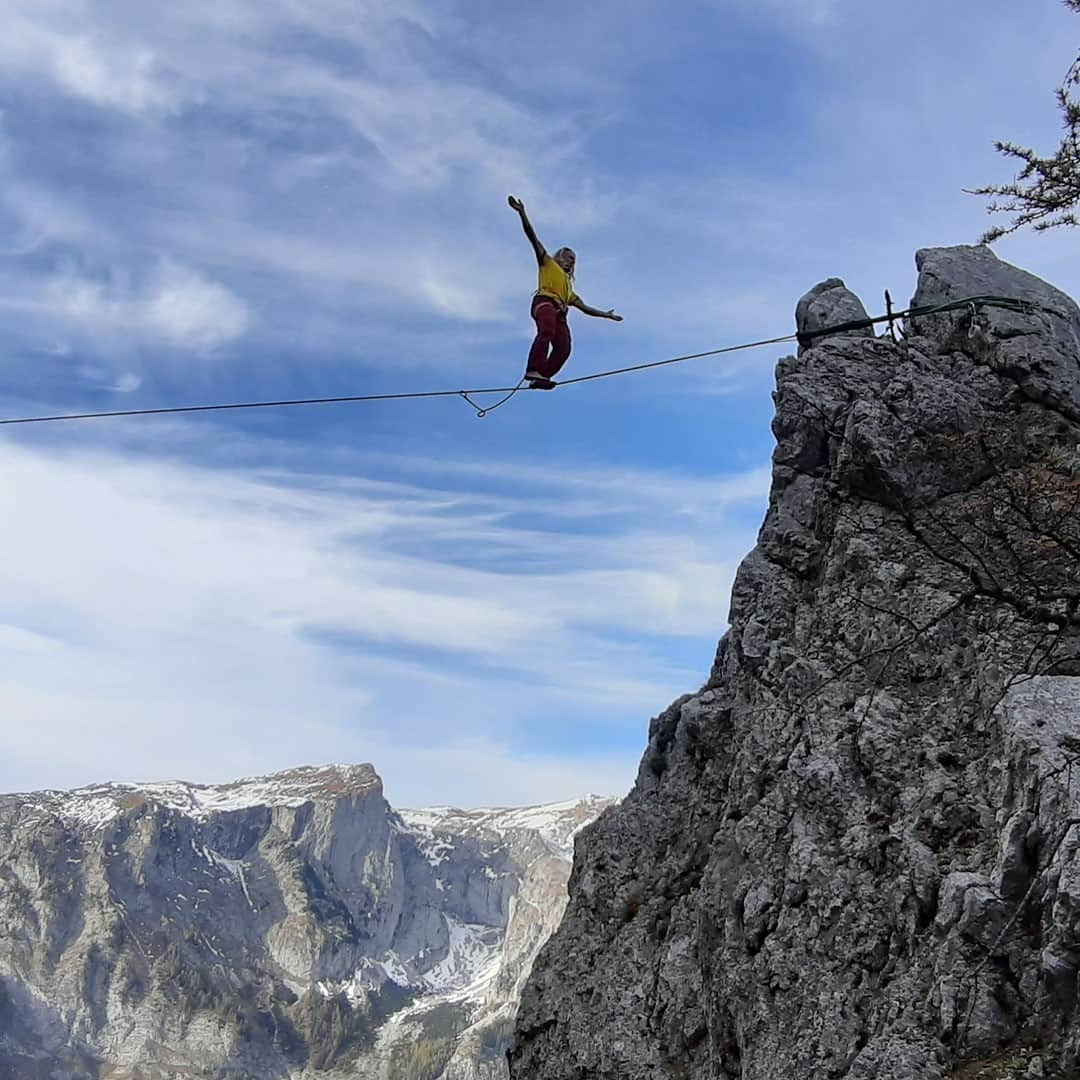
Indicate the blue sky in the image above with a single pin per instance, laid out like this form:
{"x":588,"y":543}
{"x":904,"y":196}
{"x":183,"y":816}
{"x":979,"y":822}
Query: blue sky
{"x":246,"y":200}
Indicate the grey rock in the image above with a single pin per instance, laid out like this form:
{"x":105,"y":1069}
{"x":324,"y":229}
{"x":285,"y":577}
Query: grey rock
{"x":286,"y":926}
{"x":1039,"y":351}
{"x":829,"y":303}
{"x":854,"y":851}
{"x":896,"y":1063}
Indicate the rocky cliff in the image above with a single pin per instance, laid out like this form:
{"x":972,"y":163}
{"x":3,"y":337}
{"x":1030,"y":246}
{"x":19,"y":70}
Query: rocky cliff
{"x":855,"y":851}
{"x":288,"y":926}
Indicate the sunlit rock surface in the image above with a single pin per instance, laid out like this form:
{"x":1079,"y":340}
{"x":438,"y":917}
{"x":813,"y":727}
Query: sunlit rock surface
{"x":287,"y":926}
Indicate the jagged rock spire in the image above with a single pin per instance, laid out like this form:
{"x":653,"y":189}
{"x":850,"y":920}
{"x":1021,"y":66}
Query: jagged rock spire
{"x":853,"y":852}
{"x":830,"y":303}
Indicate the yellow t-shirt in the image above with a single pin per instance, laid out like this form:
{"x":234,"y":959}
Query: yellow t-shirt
{"x":555,"y":282}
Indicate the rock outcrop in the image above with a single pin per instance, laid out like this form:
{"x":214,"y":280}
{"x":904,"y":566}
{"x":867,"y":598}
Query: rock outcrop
{"x":855,"y":851}
{"x":288,"y":926}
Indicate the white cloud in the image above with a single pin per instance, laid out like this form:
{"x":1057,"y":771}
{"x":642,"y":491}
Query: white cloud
{"x":423,"y":125}
{"x":100,"y":67}
{"x":127,"y":383}
{"x":424,"y":129}
{"x":191,"y":312}
{"x":454,"y":774}
{"x":321,"y":183}
{"x":390,"y":123}
{"x":175,"y":306}
{"x":170,"y":619}
{"x":18,"y":640}
{"x":815,"y":13}
{"x":79,"y":66}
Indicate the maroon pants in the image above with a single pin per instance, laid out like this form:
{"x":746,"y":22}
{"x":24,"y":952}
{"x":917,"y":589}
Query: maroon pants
{"x":552,"y":345}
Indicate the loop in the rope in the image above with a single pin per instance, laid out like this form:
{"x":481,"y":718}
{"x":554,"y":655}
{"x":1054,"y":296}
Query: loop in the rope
{"x":482,"y":412}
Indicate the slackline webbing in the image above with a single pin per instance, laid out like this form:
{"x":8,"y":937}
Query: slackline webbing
{"x":973,"y":303}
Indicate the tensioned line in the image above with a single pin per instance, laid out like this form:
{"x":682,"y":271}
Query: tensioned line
{"x":378,"y":397}
{"x":973,"y":302}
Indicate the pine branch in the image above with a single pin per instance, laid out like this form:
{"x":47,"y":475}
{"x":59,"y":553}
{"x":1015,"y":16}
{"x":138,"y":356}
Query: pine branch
{"x":1045,"y":193}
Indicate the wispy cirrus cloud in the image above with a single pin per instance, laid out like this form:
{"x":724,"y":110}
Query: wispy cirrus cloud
{"x":396,"y":604}
{"x":103,"y":67}
{"x":266,"y":149}
{"x":311,"y":194}
{"x":175,"y":306}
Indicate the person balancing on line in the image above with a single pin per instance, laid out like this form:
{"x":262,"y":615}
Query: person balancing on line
{"x":550,"y":305}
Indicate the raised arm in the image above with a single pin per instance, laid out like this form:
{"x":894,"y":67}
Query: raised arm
{"x":596,"y":312}
{"x":526,"y":224}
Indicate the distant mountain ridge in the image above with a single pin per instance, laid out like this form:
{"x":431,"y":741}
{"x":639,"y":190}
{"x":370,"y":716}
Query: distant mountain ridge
{"x":291,"y":925}
{"x":97,"y":804}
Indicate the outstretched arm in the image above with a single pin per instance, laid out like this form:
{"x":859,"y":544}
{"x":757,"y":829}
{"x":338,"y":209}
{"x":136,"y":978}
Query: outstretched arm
{"x":582,"y":306}
{"x":526,"y":224}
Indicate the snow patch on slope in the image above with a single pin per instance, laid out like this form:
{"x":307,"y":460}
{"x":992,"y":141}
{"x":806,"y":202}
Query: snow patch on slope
{"x":94,"y":812}
{"x":96,"y":806}
{"x":556,"y":823}
{"x":434,"y":848}
{"x":472,"y":960}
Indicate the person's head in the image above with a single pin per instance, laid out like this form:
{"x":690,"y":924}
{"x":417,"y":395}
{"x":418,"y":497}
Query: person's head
{"x":566,"y":258}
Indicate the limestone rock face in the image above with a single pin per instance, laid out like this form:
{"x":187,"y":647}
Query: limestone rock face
{"x":1040,"y":354}
{"x":855,"y":851}
{"x":830,"y":303}
{"x":288,"y":926}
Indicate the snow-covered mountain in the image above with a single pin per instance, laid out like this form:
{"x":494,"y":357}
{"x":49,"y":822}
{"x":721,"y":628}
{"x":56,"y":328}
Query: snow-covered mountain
{"x":285,"y":926}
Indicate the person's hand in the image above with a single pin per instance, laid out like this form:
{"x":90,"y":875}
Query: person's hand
{"x":516,"y":204}
{"x":612,"y":316}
